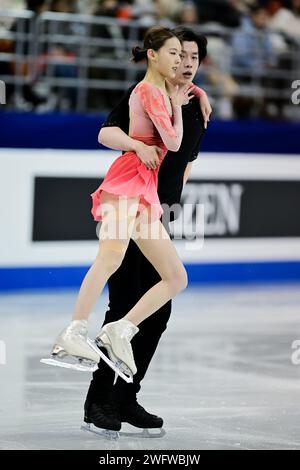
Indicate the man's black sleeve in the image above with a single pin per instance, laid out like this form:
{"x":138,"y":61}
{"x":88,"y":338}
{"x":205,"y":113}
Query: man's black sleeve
{"x":197,"y":147}
{"x":119,"y":116}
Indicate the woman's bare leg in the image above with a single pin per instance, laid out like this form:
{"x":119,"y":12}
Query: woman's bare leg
{"x":117,"y":225}
{"x":161,"y":253}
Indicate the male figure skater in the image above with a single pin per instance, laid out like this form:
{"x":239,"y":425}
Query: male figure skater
{"x":108,"y":405}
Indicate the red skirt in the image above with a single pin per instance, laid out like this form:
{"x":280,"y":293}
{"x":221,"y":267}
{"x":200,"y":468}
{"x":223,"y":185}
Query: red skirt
{"x":129,"y":177}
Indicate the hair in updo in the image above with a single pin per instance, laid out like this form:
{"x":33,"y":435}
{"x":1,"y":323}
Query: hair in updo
{"x":154,"y":39}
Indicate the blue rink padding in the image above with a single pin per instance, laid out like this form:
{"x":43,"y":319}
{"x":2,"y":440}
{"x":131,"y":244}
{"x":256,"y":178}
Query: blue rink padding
{"x":199,"y":274}
{"x":80,"y":131}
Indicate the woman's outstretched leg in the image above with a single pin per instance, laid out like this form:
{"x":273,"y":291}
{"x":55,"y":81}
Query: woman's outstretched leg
{"x":117,"y":224}
{"x":115,"y":232}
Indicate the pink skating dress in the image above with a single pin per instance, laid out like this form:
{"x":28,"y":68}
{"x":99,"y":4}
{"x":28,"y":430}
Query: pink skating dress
{"x":151,"y":123}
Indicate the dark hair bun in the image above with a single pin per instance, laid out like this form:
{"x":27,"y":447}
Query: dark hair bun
{"x":138,"y":54}
{"x":155,"y":38}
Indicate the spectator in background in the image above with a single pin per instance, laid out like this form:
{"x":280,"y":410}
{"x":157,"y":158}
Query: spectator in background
{"x":285,"y":25}
{"x":37,"y":6}
{"x":284,"y":20}
{"x":222,"y":12}
{"x":125,"y":10}
{"x":151,"y":12}
{"x":63,"y":56}
{"x":216,"y":73}
{"x":253,"y":55}
{"x":167,"y":9}
{"x":252,"y":45}
{"x":295,"y":7}
{"x":64,"y":6}
{"x":109,"y":44}
{"x":187,"y":14}
{"x":242,"y":6}
{"x":25,"y":97}
{"x":106,"y":8}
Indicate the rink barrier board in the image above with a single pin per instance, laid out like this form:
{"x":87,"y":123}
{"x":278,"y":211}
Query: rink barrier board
{"x":230,"y":252}
{"x":69,"y":277}
{"x":80,"y":131}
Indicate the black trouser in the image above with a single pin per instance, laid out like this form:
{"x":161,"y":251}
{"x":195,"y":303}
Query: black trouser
{"x":126,"y":286}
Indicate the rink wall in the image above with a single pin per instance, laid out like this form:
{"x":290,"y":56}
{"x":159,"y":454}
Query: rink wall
{"x":79,"y":131}
{"x":251,"y":216}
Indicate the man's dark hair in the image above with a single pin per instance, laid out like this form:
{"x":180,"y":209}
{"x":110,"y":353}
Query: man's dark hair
{"x":186,"y":34}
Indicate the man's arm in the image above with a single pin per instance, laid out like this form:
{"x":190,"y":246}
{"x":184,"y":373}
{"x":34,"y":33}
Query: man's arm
{"x":116,"y":139}
{"x":193,"y":157}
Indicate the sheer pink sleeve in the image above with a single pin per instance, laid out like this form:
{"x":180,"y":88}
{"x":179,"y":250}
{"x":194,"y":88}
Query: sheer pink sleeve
{"x":154,"y":105}
{"x":198,"y":92}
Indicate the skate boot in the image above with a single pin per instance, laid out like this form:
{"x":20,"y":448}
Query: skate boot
{"x":134,"y":414}
{"x":102,"y":419}
{"x":115,"y":337}
{"x":73,"y":349}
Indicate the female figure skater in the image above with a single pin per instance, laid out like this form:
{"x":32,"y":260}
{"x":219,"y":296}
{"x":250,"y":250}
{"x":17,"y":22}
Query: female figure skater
{"x":128,"y":205}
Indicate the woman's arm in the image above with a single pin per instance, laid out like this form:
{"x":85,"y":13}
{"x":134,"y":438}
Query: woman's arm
{"x":153,"y":102}
{"x":204,"y":103}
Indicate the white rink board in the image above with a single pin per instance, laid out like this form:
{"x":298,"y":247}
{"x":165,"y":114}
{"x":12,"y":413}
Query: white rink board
{"x":18,"y":168}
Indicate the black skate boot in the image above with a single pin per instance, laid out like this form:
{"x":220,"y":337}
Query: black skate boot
{"x":134,"y":414}
{"x":102,"y":418}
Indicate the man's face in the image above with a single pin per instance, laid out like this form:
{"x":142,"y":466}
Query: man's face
{"x":189,"y":63}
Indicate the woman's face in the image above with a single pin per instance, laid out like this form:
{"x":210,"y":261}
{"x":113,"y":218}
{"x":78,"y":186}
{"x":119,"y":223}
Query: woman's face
{"x":167,"y":58}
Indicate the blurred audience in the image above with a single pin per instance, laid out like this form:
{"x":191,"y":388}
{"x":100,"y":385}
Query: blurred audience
{"x":187,"y":14}
{"x":262,"y":37}
{"x":252,"y":47}
{"x":254,"y":56}
{"x":223,"y":12}
{"x":24,"y":96}
{"x":285,"y":20}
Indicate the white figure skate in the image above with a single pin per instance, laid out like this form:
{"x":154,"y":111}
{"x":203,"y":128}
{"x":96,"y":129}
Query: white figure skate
{"x":115,"y":337}
{"x":74,"y":350}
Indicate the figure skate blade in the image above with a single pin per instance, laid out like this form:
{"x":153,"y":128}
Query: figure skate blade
{"x":145,"y":433}
{"x":105,"y":433}
{"x":83,"y":367}
{"x":110,"y":363}
{"x":114,"y":435}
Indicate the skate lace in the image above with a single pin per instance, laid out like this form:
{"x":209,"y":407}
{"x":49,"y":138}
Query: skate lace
{"x":79,"y":331}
